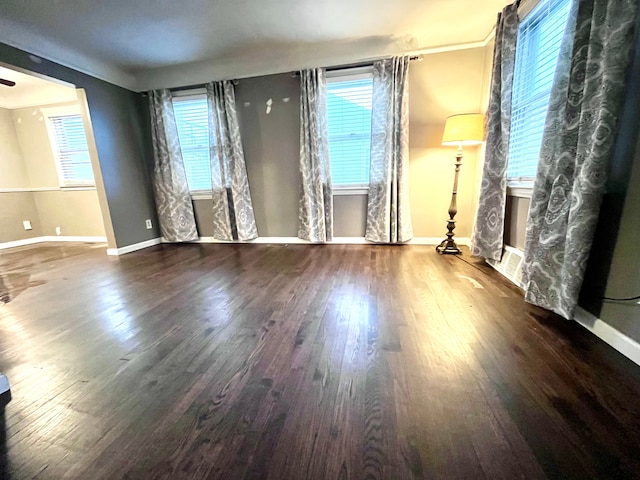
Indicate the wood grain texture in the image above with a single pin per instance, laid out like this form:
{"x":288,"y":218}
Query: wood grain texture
{"x":299,"y":362}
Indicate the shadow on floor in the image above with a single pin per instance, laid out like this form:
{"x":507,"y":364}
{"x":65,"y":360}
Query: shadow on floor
{"x":4,"y":457}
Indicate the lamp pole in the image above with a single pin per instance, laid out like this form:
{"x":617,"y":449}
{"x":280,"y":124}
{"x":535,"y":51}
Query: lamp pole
{"x":462,"y":129}
{"x":448,"y":246}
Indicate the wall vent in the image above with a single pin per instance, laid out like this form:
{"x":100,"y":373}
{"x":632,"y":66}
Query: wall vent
{"x":510,"y":265}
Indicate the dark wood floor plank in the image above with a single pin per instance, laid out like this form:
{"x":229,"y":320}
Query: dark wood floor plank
{"x":299,"y":361}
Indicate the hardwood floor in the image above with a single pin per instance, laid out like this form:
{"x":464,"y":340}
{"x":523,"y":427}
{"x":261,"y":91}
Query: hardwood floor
{"x":299,"y":362}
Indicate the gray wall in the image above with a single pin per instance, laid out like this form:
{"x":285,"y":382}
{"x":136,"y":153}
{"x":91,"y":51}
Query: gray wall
{"x":441,"y":85}
{"x":624,"y":275}
{"x":351,"y":216}
{"x":517,"y":211}
{"x":271,"y":144}
{"x":122,"y":144}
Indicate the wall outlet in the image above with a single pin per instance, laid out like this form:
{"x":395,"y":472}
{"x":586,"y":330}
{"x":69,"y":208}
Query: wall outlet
{"x":58,"y":231}
{"x":27,"y":225}
{"x":147,"y":222}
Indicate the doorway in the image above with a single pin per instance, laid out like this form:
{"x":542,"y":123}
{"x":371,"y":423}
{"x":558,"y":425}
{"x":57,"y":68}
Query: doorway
{"x":48,"y":187}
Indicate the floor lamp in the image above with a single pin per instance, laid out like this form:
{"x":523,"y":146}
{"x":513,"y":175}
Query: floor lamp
{"x":464,"y":129}
{"x":5,"y":392}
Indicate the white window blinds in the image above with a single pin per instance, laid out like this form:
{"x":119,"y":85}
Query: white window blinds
{"x":539,"y":38}
{"x":193,"y":132}
{"x":349,"y":128}
{"x":71,"y":150}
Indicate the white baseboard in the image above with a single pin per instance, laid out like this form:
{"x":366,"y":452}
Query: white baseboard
{"x":279,"y":240}
{"x":618,"y":340}
{"x":349,"y":241}
{"x":336,"y":241}
{"x":133,"y":248}
{"x":53,"y":238}
{"x":71,"y":238}
{"x":20,"y":243}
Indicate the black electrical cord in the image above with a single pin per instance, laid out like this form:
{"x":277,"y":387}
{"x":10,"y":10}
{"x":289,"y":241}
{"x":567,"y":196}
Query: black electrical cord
{"x":622,"y":299}
{"x":459,"y":257}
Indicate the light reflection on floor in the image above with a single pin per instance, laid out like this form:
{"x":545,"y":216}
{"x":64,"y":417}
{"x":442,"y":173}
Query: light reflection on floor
{"x":114,"y":315}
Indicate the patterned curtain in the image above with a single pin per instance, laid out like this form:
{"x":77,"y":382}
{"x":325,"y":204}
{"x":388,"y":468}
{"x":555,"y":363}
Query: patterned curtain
{"x":487,"y":239}
{"x":388,"y":214}
{"x":586,"y":101}
{"x":316,"y":202}
{"x":173,"y":200}
{"x":232,"y":208}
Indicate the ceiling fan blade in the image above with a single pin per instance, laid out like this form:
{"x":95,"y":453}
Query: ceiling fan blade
{"x":8,"y":83}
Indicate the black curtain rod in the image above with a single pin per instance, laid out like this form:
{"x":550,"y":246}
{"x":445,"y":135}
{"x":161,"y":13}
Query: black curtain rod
{"x":295,"y":73}
{"x":360,"y":65}
{"x":199,"y":85}
{"x":364,"y":64}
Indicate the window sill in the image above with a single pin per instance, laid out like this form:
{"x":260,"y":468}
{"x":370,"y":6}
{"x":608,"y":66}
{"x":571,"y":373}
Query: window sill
{"x":520,"y":189}
{"x":201,"y":195}
{"x":67,"y":188}
{"x":44,"y":189}
{"x":337,"y":191}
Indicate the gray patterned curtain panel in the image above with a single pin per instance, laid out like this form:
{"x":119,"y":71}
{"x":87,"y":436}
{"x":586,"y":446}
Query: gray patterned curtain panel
{"x":173,"y":200}
{"x":586,"y":101}
{"x":316,"y":201}
{"x":232,"y":208}
{"x":388,"y":214}
{"x":487,"y":239}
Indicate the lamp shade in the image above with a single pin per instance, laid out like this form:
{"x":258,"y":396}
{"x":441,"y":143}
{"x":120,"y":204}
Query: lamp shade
{"x":464,"y":129}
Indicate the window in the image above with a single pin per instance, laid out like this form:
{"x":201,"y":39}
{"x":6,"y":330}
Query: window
{"x":192,"y":120}
{"x":539,"y":38}
{"x":349,"y":128}
{"x":69,"y":146}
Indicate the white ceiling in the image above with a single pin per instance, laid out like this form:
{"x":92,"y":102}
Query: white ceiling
{"x":161,"y":43}
{"x":30,"y":91}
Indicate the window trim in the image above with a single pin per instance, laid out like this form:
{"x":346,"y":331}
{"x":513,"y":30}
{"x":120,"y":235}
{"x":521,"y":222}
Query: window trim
{"x":345,"y":75}
{"x":520,"y":189}
{"x":350,"y":190}
{"x":189,"y":94}
{"x":64,"y":111}
{"x":520,"y":186}
{"x":186,"y":95}
{"x":526,"y":7}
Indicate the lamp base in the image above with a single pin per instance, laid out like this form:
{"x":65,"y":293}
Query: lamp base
{"x":5,"y":392}
{"x":448,"y":247}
